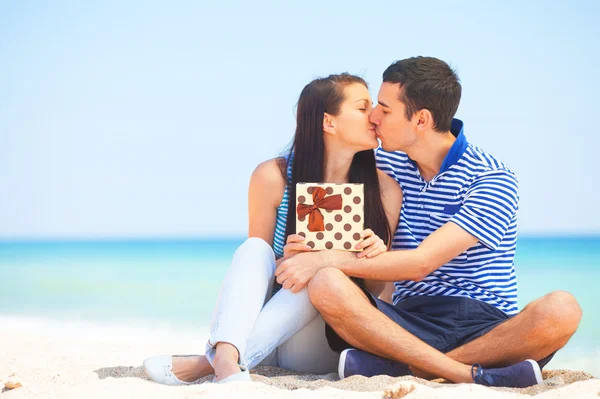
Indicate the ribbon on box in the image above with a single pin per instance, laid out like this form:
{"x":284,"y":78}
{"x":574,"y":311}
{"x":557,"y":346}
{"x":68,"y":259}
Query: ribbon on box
{"x":320,"y":201}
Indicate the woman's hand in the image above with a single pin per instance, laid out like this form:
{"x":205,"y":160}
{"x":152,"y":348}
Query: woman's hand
{"x":294,"y":246}
{"x":371,"y":246}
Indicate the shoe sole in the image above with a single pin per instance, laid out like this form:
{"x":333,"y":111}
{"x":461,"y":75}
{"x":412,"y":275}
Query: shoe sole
{"x":536,"y":370}
{"x":342,"y":363}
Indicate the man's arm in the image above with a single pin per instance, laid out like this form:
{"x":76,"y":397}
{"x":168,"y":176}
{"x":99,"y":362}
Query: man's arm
{"x":490,"y":205}
{"x":391,"y":198}
{"x":439,"y":248}
{"x":488,"y":209}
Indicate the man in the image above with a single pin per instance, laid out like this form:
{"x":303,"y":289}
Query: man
{"x":455,"y":305}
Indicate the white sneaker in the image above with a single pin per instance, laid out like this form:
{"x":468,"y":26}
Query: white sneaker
{"x":158,"y":369}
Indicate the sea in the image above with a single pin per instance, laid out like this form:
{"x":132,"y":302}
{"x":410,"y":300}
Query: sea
{"x":175,"y":283}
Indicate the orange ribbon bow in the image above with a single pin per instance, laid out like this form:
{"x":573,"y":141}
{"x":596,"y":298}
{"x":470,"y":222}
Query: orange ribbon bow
{"x":315,"y":218}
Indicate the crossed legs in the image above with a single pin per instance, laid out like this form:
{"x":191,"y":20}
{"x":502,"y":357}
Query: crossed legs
{"x":543,"y":327}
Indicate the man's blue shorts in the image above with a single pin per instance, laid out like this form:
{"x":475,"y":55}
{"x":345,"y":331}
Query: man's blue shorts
{"x":444,"y":323}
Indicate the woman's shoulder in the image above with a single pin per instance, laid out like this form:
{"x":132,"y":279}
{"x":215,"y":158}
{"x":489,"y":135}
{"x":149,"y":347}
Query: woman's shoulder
{"x":391,"y":197}
{"x":272,"y":171}
{"x":269,"y":177}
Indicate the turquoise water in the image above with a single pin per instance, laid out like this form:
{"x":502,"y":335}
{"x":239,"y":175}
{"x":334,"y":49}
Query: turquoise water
{"x":176,"y":282}
{"x":168,"y":281}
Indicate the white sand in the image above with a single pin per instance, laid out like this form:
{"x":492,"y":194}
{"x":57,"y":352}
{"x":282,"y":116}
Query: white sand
{"x":78,"y":360}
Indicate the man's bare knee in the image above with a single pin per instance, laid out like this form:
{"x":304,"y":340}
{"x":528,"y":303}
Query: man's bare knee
{"x":556,"y":314}
{"x":562,"y":308}
{"x":326,"y":287}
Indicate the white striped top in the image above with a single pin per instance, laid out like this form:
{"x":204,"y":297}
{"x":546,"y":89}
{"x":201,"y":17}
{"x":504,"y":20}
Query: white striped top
{"x":475,"y":191}
{"x":282,"y":211}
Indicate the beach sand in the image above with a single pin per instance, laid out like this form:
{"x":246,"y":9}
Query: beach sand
{"x":82,"y":360}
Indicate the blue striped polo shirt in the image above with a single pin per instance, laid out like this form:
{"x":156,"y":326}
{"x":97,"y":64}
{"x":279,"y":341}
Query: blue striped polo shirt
{"x":475,"y":191}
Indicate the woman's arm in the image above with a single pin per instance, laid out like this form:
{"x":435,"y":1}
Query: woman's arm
{"x":391,"y":197}
{"x":267,"y":186}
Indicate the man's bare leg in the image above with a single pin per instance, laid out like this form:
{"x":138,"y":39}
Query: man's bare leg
{"x":348,"y":311}
{"x":543,"y":327}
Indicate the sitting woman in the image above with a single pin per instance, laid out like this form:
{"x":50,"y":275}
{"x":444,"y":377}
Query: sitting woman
{"x":333,"y":143}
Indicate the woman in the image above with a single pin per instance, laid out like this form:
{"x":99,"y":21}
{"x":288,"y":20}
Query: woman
{"x":333,"y":143}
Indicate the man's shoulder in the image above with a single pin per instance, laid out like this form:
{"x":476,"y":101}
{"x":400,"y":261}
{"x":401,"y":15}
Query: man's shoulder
{"x":395,"y":164}
{"x":481,"y":163}
{"x":393,"y":157}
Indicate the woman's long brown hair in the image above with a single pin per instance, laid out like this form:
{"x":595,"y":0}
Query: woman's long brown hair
{"x":307,"y":154}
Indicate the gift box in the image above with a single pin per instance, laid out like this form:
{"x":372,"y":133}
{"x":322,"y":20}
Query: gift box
{"x":330,"y":216}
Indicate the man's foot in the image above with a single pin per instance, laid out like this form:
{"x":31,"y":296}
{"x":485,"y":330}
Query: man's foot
{"x":520,"y":375}
{"x":357,"y":362}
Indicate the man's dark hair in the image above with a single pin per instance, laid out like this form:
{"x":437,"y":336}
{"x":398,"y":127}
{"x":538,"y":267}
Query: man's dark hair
{"x":427,"y":83}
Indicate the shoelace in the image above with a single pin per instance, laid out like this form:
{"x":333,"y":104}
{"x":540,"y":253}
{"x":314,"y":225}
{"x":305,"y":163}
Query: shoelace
{"x":487,"y":379}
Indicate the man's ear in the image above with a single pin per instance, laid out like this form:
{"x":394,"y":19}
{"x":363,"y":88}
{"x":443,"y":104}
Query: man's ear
{"x":424,"y":119}
{"x":328,"y":124}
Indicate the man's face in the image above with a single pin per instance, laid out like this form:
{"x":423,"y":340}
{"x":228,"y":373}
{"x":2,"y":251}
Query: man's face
{"x":395,"y":131}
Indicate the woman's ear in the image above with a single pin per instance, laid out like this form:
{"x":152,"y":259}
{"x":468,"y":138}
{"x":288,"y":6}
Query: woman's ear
{"x":328,"y":124}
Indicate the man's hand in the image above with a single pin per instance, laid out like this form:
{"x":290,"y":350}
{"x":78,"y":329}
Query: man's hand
{"x":296,"y":272}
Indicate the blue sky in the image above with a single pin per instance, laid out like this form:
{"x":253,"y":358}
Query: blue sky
{"x":146,"y":119}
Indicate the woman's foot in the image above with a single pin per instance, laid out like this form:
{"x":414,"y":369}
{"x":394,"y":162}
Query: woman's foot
{"x":226,"y":370}
{"x":191,"y":368}
{"x":226,"y":361}
{"x":177,"y":370}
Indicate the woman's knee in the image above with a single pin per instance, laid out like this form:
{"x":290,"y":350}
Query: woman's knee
{"x":255,"y":247}
{"x":254,"y":256}
{"x":254,"y":243}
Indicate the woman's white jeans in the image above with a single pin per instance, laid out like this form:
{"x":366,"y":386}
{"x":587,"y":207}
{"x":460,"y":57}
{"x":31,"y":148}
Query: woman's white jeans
{"x":286,"y":331}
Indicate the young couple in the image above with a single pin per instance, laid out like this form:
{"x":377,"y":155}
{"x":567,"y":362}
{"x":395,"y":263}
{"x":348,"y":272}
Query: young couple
{"x":448,"y":211}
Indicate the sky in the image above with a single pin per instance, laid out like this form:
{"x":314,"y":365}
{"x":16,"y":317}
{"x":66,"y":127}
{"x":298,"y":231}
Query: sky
{"x":146,"y":119}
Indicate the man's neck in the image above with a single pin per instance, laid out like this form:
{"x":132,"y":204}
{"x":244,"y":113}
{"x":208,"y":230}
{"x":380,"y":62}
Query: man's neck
{"x":429,"y":152}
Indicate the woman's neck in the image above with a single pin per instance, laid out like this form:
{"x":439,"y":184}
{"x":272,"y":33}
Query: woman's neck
{"x":336,"y":168}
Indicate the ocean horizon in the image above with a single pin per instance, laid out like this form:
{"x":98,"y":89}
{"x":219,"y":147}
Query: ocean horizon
{"x":174,"y":282}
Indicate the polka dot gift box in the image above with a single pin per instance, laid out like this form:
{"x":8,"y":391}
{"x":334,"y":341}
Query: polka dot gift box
{"x":330,"y":216}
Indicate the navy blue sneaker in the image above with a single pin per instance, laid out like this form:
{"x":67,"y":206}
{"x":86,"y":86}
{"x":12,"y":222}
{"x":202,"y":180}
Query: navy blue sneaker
{"x":520,"y":375}
{"x":357,"y":362}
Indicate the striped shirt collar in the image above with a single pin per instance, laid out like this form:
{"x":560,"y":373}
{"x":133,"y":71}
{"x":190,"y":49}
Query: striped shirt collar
{"x":458,"y":148}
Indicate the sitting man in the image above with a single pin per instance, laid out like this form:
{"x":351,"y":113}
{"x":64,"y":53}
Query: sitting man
{"x":454,"y":312}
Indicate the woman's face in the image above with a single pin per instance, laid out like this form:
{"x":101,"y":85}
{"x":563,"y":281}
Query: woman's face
{"x":352,"y":126}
